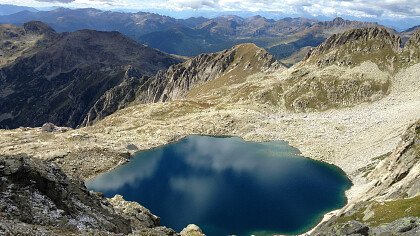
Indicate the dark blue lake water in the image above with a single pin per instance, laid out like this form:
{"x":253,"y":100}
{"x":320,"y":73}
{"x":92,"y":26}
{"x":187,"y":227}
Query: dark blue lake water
{"x":229,"y":186}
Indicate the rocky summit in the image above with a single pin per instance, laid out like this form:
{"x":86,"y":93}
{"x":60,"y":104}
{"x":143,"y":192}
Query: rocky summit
{"x":51,"y":77}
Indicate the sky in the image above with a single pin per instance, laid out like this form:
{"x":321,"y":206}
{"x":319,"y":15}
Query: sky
{"x":397,"y":11}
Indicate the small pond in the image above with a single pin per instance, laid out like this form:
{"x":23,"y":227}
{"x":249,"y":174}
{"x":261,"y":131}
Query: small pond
{"x":229,"y":186}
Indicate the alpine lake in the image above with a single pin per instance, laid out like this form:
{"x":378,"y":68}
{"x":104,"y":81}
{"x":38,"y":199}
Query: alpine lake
{"x":228,"y":186}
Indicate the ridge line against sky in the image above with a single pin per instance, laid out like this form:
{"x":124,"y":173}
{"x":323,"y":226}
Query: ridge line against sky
{"x":406,"y":11}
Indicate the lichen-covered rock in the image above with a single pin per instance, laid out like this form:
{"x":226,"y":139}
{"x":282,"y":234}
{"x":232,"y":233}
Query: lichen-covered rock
{"x":139,"y":216}
{"x":192,"y":230}
{"x":37,"y":198}
{"x":36,"y":192}
{"x":397,"y":176}
{"x":48,"y":127}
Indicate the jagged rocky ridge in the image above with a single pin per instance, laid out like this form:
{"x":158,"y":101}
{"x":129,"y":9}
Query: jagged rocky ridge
{"x":58,"y":77}
{"x":343,"y":49}
{"x":178,"y":80}
{"x":347,"y":69}
{"x":37,"y":198}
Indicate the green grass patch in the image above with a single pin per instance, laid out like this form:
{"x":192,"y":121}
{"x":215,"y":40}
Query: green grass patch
{"x":386,"y":212}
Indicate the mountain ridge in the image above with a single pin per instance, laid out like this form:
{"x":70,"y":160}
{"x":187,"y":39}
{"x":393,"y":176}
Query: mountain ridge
{"x":62,"y":75}
{"x":180,"y":79}
{"x":283,"y":38}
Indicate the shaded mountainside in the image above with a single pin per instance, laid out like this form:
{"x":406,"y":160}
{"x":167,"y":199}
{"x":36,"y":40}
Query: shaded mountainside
{"x":395,"y":179}
{"x":175,"y":83}
{"x":37,"y":198}
{"x":18,"y":41}
{"x":58,"y":77}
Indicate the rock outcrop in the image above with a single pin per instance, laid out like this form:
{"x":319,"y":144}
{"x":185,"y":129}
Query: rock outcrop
{"x":352,"y":47}
{"x":411,"y":53}
{"x":37,"y":198}
{"x":192,"y":230}
{"x":398,"y":175}
{"x":59,"y":77}
{"x":38,"y":193}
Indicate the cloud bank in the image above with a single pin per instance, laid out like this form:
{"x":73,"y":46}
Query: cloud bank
{"x":384,"y":9}
{"x":356,"y":8}
{"x":56,"y":1}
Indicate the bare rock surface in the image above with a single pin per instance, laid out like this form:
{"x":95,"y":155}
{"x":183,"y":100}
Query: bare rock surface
{"x":36,"y":197}
{"x":192,"y":230}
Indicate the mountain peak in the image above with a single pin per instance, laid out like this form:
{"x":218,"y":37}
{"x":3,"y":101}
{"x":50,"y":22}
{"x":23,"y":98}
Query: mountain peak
{"x":414,"y":40}
{"x":38,"y":27}
{"x":358,"y":35}
{"x":338,"y":20}
{"x":352,"y":47}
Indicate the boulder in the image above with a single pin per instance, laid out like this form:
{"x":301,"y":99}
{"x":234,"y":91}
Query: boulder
{"x":48,"y":127}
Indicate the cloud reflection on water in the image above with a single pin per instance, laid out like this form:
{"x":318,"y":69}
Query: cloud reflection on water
{"x":261,"y":161}
{"x":129,"y":174}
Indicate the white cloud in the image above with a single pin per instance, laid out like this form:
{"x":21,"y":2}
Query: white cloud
{"x":356,"y":8}
{"x":389,"y":9}
{"x":193,"y":4}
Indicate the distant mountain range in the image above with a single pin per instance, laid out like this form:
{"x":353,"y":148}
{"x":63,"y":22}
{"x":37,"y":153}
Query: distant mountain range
{"x":7,"y":9}
{"x":288,"y":39}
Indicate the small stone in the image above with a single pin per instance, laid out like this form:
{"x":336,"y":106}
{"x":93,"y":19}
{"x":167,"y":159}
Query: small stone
{"x":48,"y":127}
{"x":192,"y":230}
{"x":132,"y":147}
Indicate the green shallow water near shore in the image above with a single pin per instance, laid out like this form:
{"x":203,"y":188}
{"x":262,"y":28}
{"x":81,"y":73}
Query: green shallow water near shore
{"x":229,"y":186}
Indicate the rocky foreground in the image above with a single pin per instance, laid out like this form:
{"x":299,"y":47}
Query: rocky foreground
{"x":37,"y":198}
{"x":359,"y":112}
